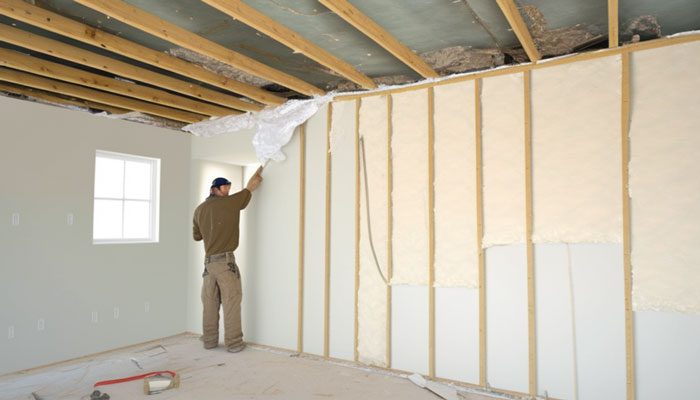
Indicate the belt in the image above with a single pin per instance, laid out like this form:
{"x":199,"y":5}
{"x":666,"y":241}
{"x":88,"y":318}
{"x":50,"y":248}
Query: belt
{"x":228,"y":256}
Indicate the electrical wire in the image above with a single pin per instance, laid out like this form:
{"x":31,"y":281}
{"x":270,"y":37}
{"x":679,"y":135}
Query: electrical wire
{"x":369,"y":223}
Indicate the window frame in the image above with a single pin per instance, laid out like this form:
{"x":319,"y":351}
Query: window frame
{"x":154,"y":201}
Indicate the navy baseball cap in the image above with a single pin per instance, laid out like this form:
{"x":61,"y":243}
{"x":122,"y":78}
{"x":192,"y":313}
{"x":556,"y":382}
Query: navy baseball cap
{"x":220,"y":182}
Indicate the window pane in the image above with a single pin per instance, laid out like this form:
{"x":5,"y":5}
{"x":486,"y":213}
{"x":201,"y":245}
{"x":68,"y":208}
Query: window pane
{"x":138,"y":180}
{"x":137,"y":219}
{"x":107,"y":221}
{"x":109,"y":177}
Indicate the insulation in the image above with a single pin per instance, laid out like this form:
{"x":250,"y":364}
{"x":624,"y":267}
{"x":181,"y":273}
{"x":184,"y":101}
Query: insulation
{"x":576,"y":152}
{"x":372,"y":296}
{"x":664,"y":184}
{"x":409,"y":150}
{"x":456,"y":258}
{"x":503,"y":160}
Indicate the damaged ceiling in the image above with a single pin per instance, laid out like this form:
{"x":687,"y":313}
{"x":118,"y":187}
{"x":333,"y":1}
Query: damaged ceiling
{"x":174,"y":62}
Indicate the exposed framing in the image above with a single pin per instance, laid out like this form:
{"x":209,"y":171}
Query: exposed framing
{"x":613,"y":23}
{"x":480,"y":230}
{"x":54,"y":98}
{"x":261,"y":22}
{"x":302,"y":236}
{"x":44,"y":19}
{"x":357,"y":226}
{"x":54,"y":86}
{"x":379,"y":35}
{"x":510,"y":11}
{"x":626,"y":226}
{"x":165,"y":30}
{"x":390,"y":226}
{"x":327,"y":245}
{"x":431,"y":234}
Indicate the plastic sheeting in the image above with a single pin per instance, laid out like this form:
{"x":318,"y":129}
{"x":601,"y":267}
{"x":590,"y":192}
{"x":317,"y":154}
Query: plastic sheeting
{"x":274,"y":127}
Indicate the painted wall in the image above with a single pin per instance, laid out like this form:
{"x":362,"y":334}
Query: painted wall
{"x":579,"y":286}
{"x":51,"y":270}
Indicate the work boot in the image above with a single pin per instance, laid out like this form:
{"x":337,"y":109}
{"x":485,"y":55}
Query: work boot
{"x":209,"y":346}
{"x":237,"y":348}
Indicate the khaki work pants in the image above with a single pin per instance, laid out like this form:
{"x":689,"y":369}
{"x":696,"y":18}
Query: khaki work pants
{"x":222,"y":286}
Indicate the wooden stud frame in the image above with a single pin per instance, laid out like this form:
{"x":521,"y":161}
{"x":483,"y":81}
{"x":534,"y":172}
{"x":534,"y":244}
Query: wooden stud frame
{"x":327,"y":246}
{"x":480,"y":230}
{"x":510,"y":11}
{"x":302,"y":235}
{"x":54,"y":98}
{"x":390,"y":227}
{"x":357,"y":226}
{"x":626,"y":227}
{"x":613,"y":23}
{"x":431,"y":234}
{"x":532,"y":339}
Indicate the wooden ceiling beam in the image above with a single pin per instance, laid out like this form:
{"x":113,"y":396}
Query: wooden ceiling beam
{"x":38,"y":66}
{"x":77,"y":91}
{"x":172,"y":33}
{"x":512,"y":14}
{"x":613,"y":23}
{"x":56,"y":99}
{"x":64,"y":51}
{"x":364,"y":24}
{"x":47,"y":20}
{"x":259,"y":21}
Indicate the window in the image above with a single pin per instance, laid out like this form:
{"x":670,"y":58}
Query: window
{"x":126,"y":198}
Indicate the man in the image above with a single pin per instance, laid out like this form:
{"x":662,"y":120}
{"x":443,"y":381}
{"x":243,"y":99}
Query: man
{"x":216,"y":222}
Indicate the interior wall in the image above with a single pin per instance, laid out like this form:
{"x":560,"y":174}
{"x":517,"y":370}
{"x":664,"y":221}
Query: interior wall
{"x":578,"y":265}
{"x":50,"y":268}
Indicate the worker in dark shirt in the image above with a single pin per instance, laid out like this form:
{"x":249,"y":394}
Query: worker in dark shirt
{"x":216,"y":222}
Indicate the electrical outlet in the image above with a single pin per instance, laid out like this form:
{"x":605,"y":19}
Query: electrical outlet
{"x":40,"y":324}
{"x":11,"y":332}
{"x":70,"y":219}
{"x":147,"y":306}
{"x":116,"y":312}
{"x":15,"y":219}
{"x":95,"y":317}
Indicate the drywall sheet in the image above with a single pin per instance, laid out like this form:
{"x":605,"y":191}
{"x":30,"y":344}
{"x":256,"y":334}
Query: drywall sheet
{"x":342,"y":256}
{"x":315,"y":231}
{"x":506,"y":318}
{"x":600,"y":320}
{"x":409,"y":328}
{"x":272,"y":219}
{"x":457,"y":334}
{"x":667,"y":354}
{"x":576,"y":152}
{"x":409,"y":151}
{"x":503,"y":160}
{"x":664,"y":183}
{"x":456,"y":256}
{"x":556,"y":354}
{"x":372,"y":295}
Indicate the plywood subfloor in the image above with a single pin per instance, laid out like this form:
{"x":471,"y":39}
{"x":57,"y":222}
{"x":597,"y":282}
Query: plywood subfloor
{"x":255,"y":373}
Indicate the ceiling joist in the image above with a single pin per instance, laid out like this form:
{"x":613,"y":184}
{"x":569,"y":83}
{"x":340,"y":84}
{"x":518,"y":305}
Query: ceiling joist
{"x":51,"y":85}
{"x":55,"y":99}
{"x":613,"y":23}
{"x":259,"y":21}
{"x":23,"y":62}
{"x":170,"y":32}
{"x":64,"y":51}
{"x":512,"y":14}
{"x":364,"y":24}
{"x":44,"y":19}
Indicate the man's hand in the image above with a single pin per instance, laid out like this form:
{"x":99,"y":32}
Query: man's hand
{"x":255,"y":180}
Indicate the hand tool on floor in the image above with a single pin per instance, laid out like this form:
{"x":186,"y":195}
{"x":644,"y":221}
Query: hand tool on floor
{"x":153,"y":382}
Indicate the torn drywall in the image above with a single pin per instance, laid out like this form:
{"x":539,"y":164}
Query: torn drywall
{"x":503,"y":160}
{"x":664,"y":184}
{"x":456,"y":257}
{"x":409,"y":151}
{"x":576,"y":152}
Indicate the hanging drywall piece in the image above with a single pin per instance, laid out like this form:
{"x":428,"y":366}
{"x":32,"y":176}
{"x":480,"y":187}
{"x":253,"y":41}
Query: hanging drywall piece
{"x":576,"y":152}
{"x":372,"y":300}
{"x":503,"y":159}
{"x":274,"y":126}
{"x":664,"y":184}
{"x":409,"y":150}
{"x":456,"y":262}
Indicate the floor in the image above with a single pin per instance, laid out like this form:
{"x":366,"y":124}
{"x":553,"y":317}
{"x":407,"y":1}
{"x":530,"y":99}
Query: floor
{"x":255,"y":373}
